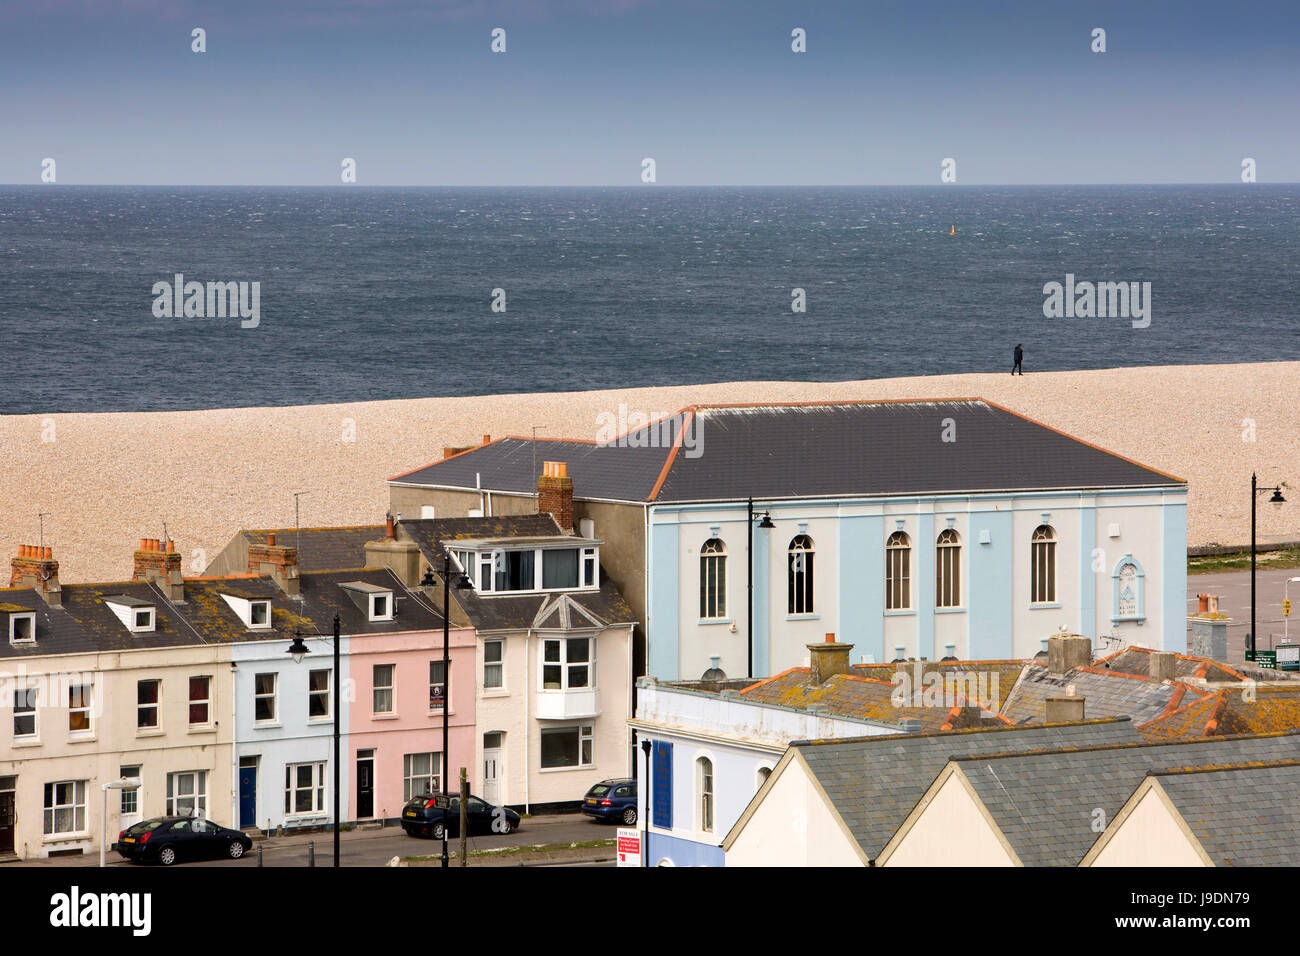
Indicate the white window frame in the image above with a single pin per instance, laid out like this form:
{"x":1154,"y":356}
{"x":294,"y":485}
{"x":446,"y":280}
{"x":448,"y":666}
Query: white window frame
{"x":156,"y":706}
{"x":199,"y":796}
{"x":77,"y":805}
{"x":134,"y":795}
{"x":437,"y":708}
{"x":87,"y":707}
{"x":390,"y":687}
{"x":430,"y":782}
{"x":193,"y":701}
{"x":565,"y":665}
{"x":485,"y":565}
{"x":947,"y":569}
{"x":713,"y":580}
{"x":30,"y":619}
{"x":316,"y":787}
{"x":706,"y":794}
{"x":327,"y":694}
{"x":800,"y":592}
{"x":499,"y":664}
{"x":29,"y":708}
{"x":586,"y":735}
{"x":1042,"y":565}
{"x":253,"y":622}
{"x":387,"y":598}
{"x":273,"y":696}
{"x":150,"y":622}
{"x":898,"y":571}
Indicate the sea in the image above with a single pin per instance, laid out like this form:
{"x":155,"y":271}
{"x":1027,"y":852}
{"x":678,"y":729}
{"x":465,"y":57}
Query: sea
{"x":381,"y":293}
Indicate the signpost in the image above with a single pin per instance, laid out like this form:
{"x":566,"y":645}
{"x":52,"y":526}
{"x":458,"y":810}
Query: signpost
{"x":1288,"y":657}
{"x":1266,"y":658}
{"x":629,"y":846}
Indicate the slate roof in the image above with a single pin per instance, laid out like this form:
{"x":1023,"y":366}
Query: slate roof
{"x":874,"y":782}
{"x":1137,"y":660}
{"x":1272,"y":709}
{"x":1242,"y":814}
{"x":1045,"y":802}
{"x":807,"y":450}
{"x":85,"y":624}
{"x":1007,"y":671}
{"x":858,"y":697}
{"x":324,"y":549}
{"x":1107,"y":694}
{"x":1197,"y":718}
{"x":497,"y":613}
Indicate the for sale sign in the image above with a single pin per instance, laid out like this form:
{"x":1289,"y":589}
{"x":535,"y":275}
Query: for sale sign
{"x":629,"y":847}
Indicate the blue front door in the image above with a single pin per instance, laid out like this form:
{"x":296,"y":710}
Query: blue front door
{"x":247,"y":797}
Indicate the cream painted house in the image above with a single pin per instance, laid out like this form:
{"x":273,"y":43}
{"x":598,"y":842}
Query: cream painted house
{"x":1239,"y":815}
{"x":839,"y":802}
{"x":1048,"y":808}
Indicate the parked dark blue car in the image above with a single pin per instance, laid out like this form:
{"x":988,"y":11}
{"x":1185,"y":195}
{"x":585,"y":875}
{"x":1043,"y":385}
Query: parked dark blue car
{"x":421,"y":818}
{"x":612,"y":800}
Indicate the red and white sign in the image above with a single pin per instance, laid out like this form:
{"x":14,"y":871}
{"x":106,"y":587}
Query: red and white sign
{"x":628,"y":846}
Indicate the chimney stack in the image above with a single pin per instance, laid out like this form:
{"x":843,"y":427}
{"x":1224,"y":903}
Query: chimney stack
{"x":1065,"y":710}
{"x":1068,"y":651}
{"x":277,"y":560}
{"x":1162,"y":665}
{"x":827,"y":659}
{"x":35,"y":567}
{"x":1209,"y":628}
{"x":555,"y":494}
{"x":160,"y":562}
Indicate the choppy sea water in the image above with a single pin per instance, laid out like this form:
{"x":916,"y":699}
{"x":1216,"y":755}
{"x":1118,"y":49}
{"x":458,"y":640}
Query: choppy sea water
{"x":387,"y":293}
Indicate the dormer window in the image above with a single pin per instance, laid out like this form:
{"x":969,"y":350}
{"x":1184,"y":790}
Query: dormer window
{"x":375,"y":601}
{"x":139,"y":616}
{"x":254,"y":612}
{"x":22,"y":626}
{"x":381,"y":606}
{"x":497,"y":566}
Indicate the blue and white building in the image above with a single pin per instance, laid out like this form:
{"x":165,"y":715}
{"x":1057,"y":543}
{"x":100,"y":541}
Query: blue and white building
{"x":952,"y":528}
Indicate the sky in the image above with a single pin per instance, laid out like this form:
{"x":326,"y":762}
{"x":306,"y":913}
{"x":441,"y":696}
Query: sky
{"x":587,"y":89}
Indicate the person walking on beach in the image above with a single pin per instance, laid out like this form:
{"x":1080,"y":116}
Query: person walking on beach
{"x":1020,"y":354}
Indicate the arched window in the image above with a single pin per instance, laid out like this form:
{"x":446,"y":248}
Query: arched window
{"x":763,"y":774}
{"x":713,"y":579}
{"x":801,"y":575}
{"x":704,"y":789}
{"x":1042,"y":584}
{"x":947,"y":569}
{"x":898,"y":574}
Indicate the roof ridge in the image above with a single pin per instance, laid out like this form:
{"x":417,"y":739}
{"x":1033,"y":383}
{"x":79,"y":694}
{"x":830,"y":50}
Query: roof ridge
{"x":1221,"y":767}
{"x":881,"y":738}
{"x":1127,"y":745}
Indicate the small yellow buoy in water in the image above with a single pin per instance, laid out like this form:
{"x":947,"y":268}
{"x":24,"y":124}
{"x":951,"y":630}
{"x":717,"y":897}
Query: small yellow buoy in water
{"x":954,"y":231}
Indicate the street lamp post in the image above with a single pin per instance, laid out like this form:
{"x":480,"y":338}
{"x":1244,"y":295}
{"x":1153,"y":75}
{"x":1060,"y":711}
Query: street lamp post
{"x":463,"y":583}
{"x":126,"y":783}
{"x":299,"y":650}
{"x":1276,"y":501}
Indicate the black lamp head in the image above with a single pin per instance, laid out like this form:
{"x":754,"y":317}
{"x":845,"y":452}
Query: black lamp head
{"x":298,"y":649}
{"x":767,"y":520}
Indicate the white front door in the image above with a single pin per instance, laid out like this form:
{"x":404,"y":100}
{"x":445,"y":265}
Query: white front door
{"x":131,"y":801}
{"x":492,"y":776}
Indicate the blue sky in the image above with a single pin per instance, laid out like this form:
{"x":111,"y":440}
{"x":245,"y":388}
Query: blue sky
{"x":586,"y":89}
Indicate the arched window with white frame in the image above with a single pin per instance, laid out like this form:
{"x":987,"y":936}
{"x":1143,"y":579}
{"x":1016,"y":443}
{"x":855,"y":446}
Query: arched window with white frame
{"x":1042,"y":582}
{"x":713,"y":579}
{"x":800,"y":575}
{"x":947,"y":569}
{"x":704,"y":793}
{"x":898,"y":573}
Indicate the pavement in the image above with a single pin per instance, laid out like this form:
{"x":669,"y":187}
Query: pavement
{"x":376,"y":846}
{"x":1233,"y":589}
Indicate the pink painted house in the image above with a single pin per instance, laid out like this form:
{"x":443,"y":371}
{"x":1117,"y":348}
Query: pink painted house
{"x":395,"y":718}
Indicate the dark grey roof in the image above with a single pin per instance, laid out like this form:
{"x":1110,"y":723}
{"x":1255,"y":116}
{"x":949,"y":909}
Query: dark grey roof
{"x":874,"y":782}
{"x":86,"y":624}
{"x":1107,"y":694}
{"x":789,"y":451}
{"x":1045,"y":803}
{"x":598,"y":471}
{"x":1244,"y":815}
{"x":324,"y":549}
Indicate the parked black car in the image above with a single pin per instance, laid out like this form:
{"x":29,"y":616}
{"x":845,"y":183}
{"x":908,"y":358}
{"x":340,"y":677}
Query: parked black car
{"x":421,"y":818}
{"x":166,"y":840}
{"x":612,"y":800}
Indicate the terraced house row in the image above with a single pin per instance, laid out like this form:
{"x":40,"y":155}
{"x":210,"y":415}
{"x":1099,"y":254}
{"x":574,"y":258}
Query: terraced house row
{"x":188,"y":683}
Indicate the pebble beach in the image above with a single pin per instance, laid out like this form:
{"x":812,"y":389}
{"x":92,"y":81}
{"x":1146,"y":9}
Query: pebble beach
{"x":105,"y":480}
